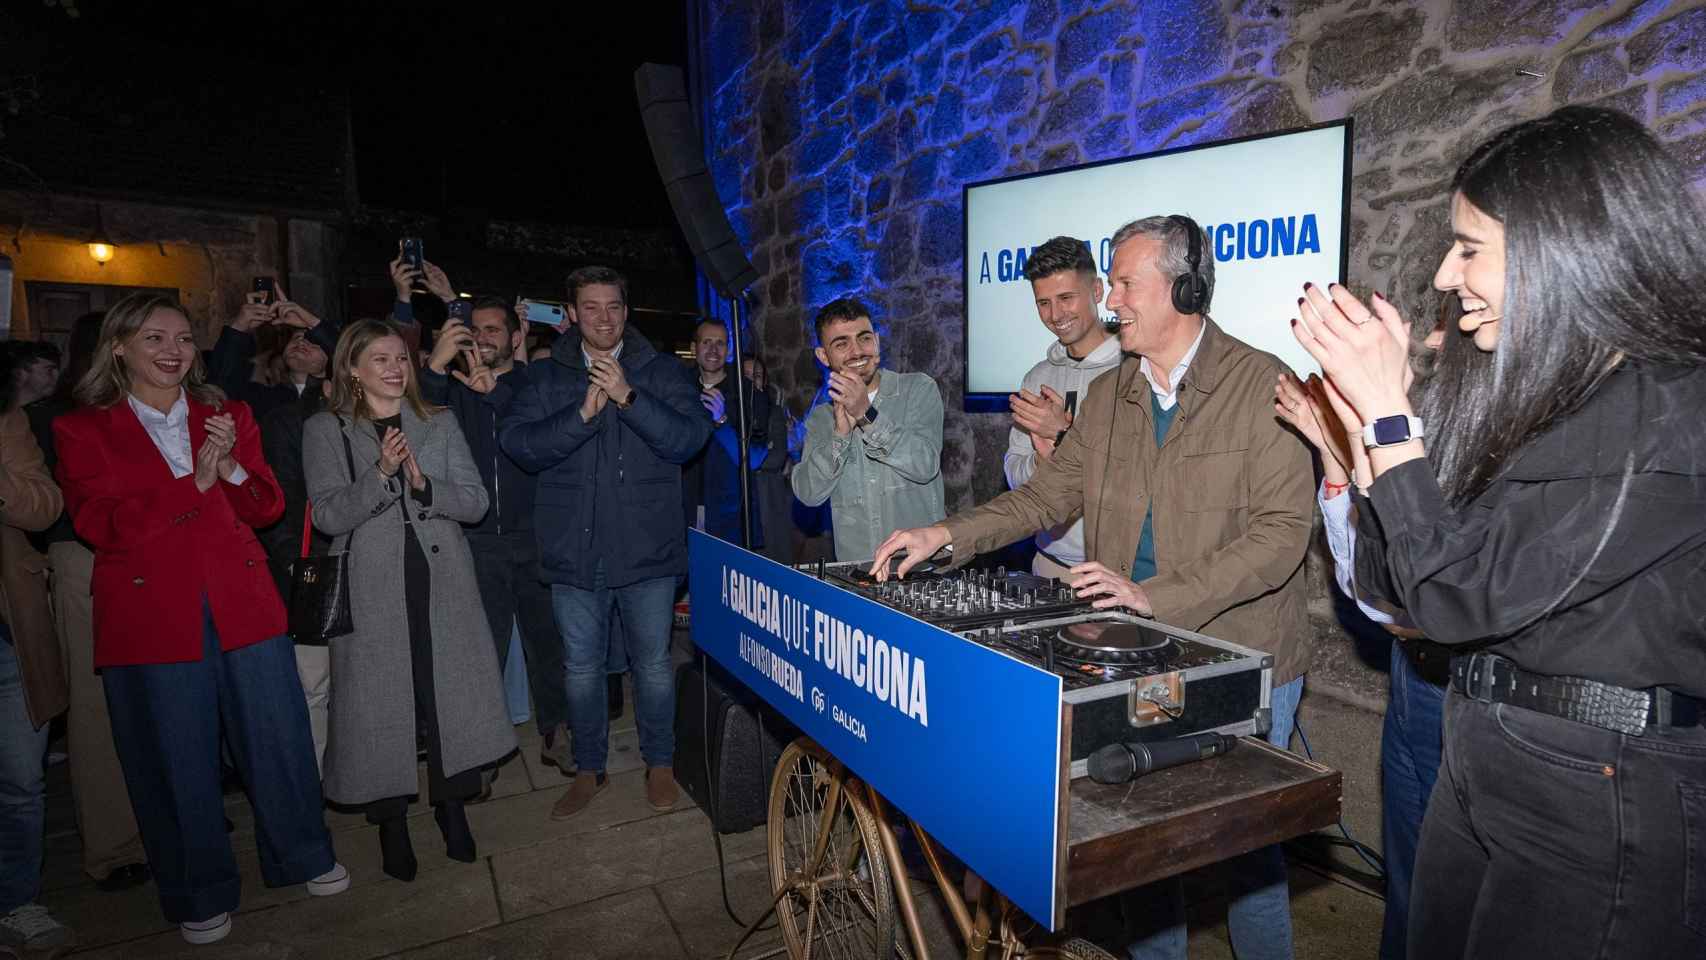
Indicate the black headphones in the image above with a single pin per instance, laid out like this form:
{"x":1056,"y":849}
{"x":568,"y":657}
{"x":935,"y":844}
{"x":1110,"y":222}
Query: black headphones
{"x":1190,"y":289}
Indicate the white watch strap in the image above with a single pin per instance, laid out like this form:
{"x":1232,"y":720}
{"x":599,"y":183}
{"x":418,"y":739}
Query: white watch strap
{"x":1415,"y":432}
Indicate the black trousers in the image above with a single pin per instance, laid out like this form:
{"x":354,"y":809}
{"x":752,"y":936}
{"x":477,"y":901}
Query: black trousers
{"x":1552,"y":839}
{"x":506,"y":567}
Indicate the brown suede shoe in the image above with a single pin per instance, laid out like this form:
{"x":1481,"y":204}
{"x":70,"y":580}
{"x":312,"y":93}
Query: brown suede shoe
{"x":661,"y":791}
{"x":580,"y":793}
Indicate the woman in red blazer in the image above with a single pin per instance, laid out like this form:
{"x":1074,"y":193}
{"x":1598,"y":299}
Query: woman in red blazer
{"x":165,"y":479}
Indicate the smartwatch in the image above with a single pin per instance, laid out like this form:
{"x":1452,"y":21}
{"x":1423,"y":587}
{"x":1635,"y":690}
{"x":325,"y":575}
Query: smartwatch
{"x":870,"y":416}
{"x":1392,"y":431}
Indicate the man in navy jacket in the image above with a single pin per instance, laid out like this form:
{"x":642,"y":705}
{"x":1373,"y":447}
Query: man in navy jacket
{"x":606,"y":424}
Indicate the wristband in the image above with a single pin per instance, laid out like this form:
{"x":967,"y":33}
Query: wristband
{"x":1331,"y":486}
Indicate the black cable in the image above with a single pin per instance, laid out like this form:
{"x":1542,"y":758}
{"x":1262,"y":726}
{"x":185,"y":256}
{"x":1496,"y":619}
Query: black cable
{"x":711,"y":790}
{"x":1374,"y":860}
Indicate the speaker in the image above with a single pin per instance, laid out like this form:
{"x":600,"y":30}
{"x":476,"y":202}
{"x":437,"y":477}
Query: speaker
{"x":680,"y":158}
{"x":742,"y":751}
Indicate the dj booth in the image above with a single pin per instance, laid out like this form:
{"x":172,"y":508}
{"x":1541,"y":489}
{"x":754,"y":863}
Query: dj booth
{"x":974,"y":701}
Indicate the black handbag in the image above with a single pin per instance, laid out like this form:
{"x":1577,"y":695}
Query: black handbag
{"x":319,"y":585}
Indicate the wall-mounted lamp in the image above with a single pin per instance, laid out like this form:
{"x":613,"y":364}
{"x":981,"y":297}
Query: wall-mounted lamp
{"x":101,"y":247}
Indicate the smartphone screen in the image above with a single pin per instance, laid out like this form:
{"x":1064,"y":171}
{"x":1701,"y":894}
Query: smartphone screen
{"x":545,"y":313}
{"x":414,"y":253}
{"x":265,"y":285}
{"x":460,"y":309}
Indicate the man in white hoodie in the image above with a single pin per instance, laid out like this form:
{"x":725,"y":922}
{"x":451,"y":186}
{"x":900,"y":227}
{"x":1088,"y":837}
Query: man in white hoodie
{"x":1063,"y":279}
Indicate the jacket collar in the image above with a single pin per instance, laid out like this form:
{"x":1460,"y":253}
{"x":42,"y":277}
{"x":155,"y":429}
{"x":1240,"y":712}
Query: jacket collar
{"x":637,"y":351}
{"x":1203,"y":375}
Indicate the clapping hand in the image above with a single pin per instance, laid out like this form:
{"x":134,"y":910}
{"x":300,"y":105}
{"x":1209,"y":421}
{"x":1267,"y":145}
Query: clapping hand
{"x":848,"y":393}
{"x":1305,"y":407}
{"x":1365,"y":353}
{"x":213,"y":461}
{"x":607,"y":375}
{"x":412,"y":469}
{"x":713,"y":400}
{"x":393,"y":450}
{"x":1040,"y":415}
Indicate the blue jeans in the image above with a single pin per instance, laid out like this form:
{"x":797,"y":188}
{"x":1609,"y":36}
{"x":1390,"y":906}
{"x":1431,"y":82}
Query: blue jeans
{"x":1410,"y":745}
{"x":21,"y":787}
{"x":167,"y":721}
{"x":1258,"y":915}
{"x":583,"y":618}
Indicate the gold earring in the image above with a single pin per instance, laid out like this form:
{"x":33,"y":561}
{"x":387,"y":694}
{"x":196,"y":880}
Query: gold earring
{"x":355,"y":387}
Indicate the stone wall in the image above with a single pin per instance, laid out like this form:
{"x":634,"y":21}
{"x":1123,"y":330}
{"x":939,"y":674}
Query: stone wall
{"x":840,"y":133}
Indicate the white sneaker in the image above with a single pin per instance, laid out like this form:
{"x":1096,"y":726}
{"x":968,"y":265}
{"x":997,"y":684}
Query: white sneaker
{"x":211,"y":930}
{"x":335,"y":880}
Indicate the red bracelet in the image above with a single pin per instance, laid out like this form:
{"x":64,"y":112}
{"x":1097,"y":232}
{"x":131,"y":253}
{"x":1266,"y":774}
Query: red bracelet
{"x":1331,"y":486}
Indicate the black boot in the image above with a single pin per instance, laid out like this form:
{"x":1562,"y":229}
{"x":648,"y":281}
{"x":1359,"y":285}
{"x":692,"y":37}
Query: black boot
{"x":398,"y":856}
{"x":453,"y":823}
{"x":614,"y":700}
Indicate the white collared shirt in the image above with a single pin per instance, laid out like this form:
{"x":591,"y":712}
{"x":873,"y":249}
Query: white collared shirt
{"x":1170,"y":396}
{"x":614,"y":354}
{"x":170,"y":432}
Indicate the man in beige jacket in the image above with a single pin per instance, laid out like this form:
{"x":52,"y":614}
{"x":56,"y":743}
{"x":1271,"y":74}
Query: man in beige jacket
{"x":1197,"y":506}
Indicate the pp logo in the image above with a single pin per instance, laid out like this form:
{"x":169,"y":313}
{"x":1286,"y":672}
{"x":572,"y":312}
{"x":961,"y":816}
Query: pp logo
{"x":817,"y":700}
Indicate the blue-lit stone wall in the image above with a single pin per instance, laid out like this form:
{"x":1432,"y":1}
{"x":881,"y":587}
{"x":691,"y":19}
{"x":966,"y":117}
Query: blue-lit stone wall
{"x":840,"y":132}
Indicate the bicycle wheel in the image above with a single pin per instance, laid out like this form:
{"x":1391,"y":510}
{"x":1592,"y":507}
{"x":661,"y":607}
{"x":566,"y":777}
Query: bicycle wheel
{"x":844,"y":908}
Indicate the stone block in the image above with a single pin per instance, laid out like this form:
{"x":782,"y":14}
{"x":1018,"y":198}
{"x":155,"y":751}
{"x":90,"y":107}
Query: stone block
{"x":1682,"y":96}
{"x":1187,"y":43}
{"x":877,"y":195}
{"x":838,"y":195}
{"x":1040,"y":18}
{"x":1011,"y":94}
{"x":1488,"y":24}
{"x":832,"y":75}
{"x":896,"y":88}
{"x":1110,"y":138}
{"x":1065,"y":155}
{"x":1082,"y":42}
{"x":947,"y":117}
{"x":940,"y":239}
{"x":831,"y":268}
{"x":1588,"y":74}
{"x":1679,"y":43}
{"x":922,"y":27}
{"x":865,"y":109}
{"x":1122,"y":73}
{"x":1071,"y":111}
{"x":1257,"y":37}
{"x":778,"y":115}
{"x":1354,"y":53}
{"x":1156,"y":118}
{"x":819,"y":148}
{"x":919,"y":180}
{"x":927,"y":68}
{"x":988,"y":50}
{"x":895,"y":252}
{"x":695,"y":909}
{"x":976,"y":158}
{"x":1246,"y":62}
{"x":731,"y":42}
{"x":891,"y":48}
{"x":1622,"y":26}
{"x":1433,"y":102}
{"x":1632,"y":101}
{"x":975,"y":17}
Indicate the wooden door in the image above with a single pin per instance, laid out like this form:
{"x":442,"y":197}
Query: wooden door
{"x":55,"y":307}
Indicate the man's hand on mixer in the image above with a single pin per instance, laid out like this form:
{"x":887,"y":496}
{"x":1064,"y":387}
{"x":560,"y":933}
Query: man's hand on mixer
{"x":1092,"y":579}
{"x":919,"y":544}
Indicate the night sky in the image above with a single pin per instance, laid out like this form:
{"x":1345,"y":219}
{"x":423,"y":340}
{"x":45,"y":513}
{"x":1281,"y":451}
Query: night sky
{"x":516,"y":110}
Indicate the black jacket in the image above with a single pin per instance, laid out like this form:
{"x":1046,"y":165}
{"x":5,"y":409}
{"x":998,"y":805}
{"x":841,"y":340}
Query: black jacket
{"x":508,"y":486}
{"x":1509,"y":572}
{"x":609,"y":488}
{"x":231,"y":367}
{"x":711,"y":479}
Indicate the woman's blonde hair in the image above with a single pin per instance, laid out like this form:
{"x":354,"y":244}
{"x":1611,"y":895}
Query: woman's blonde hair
{"x":108,"y":382}
{"x":350,"y":401}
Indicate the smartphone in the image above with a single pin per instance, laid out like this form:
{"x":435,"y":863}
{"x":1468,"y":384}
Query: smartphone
{"x":265,"y":285}
{"x":414,"y":253}
{"x":545,"y":313}
{"x":461,"y":310}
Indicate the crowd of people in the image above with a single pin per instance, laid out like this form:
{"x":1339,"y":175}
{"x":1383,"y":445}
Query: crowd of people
{"x":1515,"y":493}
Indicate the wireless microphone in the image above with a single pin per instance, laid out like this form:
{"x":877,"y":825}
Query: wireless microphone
{"x":1124,"y":762}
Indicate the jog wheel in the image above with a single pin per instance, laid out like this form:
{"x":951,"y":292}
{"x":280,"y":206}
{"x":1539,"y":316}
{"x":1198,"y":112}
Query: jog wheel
{"x":1112,"y":642}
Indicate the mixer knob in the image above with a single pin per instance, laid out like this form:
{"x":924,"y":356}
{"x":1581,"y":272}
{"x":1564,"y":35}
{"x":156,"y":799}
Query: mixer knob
{"x":1001,"y":572}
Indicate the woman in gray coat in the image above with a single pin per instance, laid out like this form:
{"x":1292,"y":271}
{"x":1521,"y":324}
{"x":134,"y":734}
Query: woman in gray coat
{"x":393,"y":481}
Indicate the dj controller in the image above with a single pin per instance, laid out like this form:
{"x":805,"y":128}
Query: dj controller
{"x":1125,"y":678}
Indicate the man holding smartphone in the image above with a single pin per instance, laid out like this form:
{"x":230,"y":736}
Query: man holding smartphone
{"x":606,"y":422}
{"x":487,"y":349}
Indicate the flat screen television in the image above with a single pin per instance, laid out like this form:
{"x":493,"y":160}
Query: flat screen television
{"x":1275,"y":208}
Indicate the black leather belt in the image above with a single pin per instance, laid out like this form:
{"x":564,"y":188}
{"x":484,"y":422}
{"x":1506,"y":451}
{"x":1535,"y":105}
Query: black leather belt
{"x":1495,"y":679}
{"x":1431,"y":661}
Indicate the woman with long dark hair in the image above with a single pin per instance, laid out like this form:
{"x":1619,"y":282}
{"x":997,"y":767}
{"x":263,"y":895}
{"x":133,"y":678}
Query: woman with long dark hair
{"x":1554,"y":531}
{"x":392,"y":480}
{"x":165,"y":479}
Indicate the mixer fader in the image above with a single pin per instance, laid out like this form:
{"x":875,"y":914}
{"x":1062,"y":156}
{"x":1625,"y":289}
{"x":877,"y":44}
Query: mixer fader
{"x":960,"y":599}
